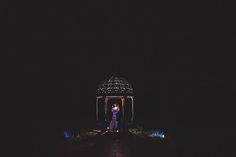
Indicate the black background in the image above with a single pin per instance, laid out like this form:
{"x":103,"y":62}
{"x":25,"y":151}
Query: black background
{"x":177,"y":55}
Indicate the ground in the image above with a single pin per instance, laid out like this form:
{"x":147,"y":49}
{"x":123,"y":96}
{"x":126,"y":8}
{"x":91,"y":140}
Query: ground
{"x":116,"y":145}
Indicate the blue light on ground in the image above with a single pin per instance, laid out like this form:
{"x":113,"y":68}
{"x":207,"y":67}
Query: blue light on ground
{"x":70,"y":134}
{"x":159,"y":134}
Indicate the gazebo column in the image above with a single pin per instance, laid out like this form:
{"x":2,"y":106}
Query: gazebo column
{"x":96,"y":108}
{"x":106,"y":101}
{"x":123,"y":107}
{"x":132,"y":100}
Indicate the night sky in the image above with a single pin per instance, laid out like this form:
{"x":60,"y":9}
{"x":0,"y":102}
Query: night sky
{"x":177,"y":55}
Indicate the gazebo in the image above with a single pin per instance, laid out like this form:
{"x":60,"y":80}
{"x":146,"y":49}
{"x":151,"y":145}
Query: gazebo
{"x":115,"y":90}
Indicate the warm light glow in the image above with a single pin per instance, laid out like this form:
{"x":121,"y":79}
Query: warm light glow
{"x":116,"y":108}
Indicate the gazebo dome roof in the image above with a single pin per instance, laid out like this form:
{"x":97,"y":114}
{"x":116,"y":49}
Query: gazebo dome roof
{"x":115,"y":86}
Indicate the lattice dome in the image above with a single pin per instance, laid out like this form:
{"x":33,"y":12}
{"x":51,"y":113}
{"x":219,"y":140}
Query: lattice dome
{"x":115,"y":86}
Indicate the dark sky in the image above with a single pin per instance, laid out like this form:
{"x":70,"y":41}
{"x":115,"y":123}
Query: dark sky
{"x":177,"y":55}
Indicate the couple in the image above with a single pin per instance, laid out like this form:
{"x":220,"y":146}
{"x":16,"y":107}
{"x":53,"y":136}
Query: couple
{"x":114,"y":123}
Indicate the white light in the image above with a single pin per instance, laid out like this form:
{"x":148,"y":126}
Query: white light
{"x":157,"y":134}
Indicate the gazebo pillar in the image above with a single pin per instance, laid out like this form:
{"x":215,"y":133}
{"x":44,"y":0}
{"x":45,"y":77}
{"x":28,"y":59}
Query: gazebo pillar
{"x":96,"y":108}
{"x":123,"y":108}
{"x":132,"y":100}
{"x":106,"y":101}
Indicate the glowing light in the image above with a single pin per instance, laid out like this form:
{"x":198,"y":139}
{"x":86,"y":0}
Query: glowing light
{"x":67,"y":134}
{"x":116,"y":108}
{"x":157,"y":134}
{"x":70,"y":134}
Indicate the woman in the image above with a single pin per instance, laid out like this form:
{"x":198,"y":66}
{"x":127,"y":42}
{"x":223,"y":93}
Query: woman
{"x":113,"y":124}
